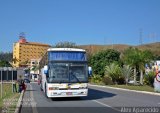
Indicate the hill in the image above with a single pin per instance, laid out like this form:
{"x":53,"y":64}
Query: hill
{"x":154,"y":47}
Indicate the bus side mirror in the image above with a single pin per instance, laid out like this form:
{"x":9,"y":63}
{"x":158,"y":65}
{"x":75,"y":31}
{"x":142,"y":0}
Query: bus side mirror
{"x":46,"y":69}
{"x":89,"y":71}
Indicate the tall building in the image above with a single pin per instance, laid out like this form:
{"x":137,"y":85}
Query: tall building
{"x":24,"y":52}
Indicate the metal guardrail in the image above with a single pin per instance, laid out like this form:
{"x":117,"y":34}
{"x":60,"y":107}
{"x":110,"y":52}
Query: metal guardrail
{"x":7,"y":74}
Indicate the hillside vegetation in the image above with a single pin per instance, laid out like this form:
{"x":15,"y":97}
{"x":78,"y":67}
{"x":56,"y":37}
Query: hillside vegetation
{"x":153,"y":47}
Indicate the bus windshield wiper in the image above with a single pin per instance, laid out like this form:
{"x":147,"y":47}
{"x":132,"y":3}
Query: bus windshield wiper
{"x":76,"y":78}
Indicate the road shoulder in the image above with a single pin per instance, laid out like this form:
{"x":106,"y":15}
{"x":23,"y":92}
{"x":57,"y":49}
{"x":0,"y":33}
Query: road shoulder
{"x":144,"y":92}
{"x":19,"y":104}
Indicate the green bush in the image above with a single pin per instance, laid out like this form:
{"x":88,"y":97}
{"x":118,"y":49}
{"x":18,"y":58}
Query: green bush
{"x":96,"y":79}
{"x":149,"y":78}
{"x":114,"y":71}
{"x":121,"y":80}
{"x":99,"y":60}
{"x":107,"y":80}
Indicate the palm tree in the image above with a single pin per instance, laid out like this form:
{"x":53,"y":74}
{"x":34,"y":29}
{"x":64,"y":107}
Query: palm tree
{"x":113,"y":70}
{"x":144,"y":58}
{"x":131,"y":57}
{"x":137,"y":59}
{"x":127,"y":72}
{"x":35,"y":67}
{"x":25,"y":63}
{"x":15,"y":60}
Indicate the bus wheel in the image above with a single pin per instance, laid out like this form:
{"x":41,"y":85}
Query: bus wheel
{"x":46,"y":92}
{"x":41,"y":87}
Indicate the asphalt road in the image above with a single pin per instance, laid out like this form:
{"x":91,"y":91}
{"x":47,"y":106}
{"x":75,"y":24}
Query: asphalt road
{"x":99,"y":100}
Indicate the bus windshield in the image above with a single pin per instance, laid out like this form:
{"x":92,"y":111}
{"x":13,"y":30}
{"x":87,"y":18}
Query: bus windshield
{"x":67,"y":73}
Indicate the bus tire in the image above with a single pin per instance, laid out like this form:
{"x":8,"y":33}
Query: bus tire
{"x":41,"y":87}
{"x":46,"y":91}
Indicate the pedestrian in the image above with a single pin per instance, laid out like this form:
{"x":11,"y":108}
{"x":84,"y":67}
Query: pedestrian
{"x":20,"y":83}
{"x":14,"y":86}
{"x":23,"y":86}
{"x":39,"y":79}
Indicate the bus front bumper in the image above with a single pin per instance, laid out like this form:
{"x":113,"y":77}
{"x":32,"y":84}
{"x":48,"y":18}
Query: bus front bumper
{"x":68,"y":93}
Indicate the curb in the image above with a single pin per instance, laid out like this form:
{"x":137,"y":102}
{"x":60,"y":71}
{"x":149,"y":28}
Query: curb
{"x":19,"y":104}
{"x":144,"y":92}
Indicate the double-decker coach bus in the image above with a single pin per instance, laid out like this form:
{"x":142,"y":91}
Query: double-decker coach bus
{"x":64,"y":72}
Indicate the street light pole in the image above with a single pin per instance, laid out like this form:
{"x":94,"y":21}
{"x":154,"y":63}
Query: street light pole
{"x":5,"y":69}
{"x":11,"y":69}
{"x":1,"y":82}
{"x":12,"y":80}
{"x":7,"y":73}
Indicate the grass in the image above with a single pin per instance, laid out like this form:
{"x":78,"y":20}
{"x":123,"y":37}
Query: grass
{"x":8,"y":97}
{"x":129,"y":86}
{"x":132,"y":87}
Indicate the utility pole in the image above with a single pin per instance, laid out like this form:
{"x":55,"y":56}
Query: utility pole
{"x":104,"y":41}
{"x":1,"y":82}
{"x":140,"y":37}
{"x":153,"y":36}
{"x":112,"y":44}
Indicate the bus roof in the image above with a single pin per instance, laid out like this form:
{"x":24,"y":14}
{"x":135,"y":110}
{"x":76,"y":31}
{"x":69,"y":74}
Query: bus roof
{"x":66,"y":49}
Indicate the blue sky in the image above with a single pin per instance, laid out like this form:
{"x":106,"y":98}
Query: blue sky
{"x":79,"y":21}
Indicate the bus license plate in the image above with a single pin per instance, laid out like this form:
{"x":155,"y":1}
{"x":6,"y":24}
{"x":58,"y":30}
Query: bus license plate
{"x":69,"y":93}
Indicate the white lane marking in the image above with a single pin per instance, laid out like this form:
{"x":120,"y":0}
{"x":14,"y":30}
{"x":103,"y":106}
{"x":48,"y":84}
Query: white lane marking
{"x":105,"y":105}
{"x":34,"y":109}
{"x":101,"y":103}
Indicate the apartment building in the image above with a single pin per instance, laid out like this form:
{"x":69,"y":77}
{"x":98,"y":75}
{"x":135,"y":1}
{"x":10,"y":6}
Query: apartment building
{"x":24,"y":52}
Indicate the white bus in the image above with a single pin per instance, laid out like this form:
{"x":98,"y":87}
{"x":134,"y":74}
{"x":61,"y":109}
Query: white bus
{"x":64,"y":73}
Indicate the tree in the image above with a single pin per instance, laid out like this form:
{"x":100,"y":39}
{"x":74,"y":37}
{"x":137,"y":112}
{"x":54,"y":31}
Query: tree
{"x":126,"y":72}
{"x":103,"y":58}
{"x":5,"y":59}
{"x":6,"y":56}
{"x":4,"y":64}
{"x":156,"y":57}
{"x":145,"y":57}
{"x":114,"y":71}
{"x":15,"y":60}
{"x":35,"y":67}
{"x":131,"y":57}
{"x":65,"y":45}
{"x":137,"y":59}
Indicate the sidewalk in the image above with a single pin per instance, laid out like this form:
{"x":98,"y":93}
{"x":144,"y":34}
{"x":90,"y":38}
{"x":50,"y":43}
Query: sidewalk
{"x":26,"y":102}
{"x":19,"y":104}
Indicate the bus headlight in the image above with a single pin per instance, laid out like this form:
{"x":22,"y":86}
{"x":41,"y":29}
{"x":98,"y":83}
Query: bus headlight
{"x":50,"y":88}
{"x":53,"y":88}
{"x":83,"y":87}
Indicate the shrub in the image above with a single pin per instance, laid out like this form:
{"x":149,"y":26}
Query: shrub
{"x":107,"y":80}
{"x":149,"y":78}
{"x":127,"y":72}
{"x":96,"y":79}
{"x":114,"y":71}
{"x":99,"y":60}
{"x":120,"y":80}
